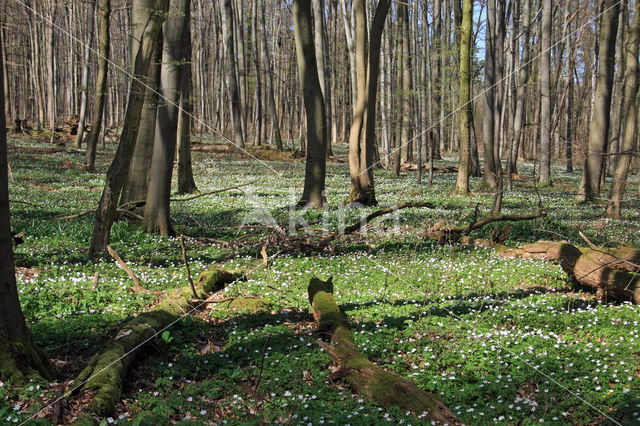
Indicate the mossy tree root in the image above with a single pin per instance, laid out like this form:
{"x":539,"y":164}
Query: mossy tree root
{"x":610,"y":271}
{"x":366,"y":378}
{"x":21,"y":358}
{"x":106,"y":370}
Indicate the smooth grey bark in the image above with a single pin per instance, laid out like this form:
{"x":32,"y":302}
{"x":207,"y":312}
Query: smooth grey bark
{"x":464,"y":115}
{"x":85,"y":81}
{"x":315,"y":170}
{"x":362,"y":136}
{"x":186,"y":183}
{"x":233,"y":91}
{"x":545,"y":93}
{"x":271,"y":100}
{"x":104,"y":42}
{"x":324,"y":72}
{"x":617,"y":128}
{"x":137,"y":182}
{"x":490,"y":95}
{"x":259,"y":117}
{"x":18,"y":352}
{"x":51,"y":88}
{"x":631,"y":51}
{"x":157,"y":215}
{"x":599,"y":128}
{"x":117,"y":173}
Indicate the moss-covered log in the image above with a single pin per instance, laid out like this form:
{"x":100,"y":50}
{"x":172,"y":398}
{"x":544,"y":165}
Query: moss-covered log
{"x":608,"y":271}
{"x":366,"y":378}
{"x":107,"y":368}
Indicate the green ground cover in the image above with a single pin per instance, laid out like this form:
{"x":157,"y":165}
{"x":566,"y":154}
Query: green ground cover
{"x":499,"y":341}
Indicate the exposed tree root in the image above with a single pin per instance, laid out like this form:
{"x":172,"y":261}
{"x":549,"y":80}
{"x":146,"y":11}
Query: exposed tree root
{"x":110,"y":365}
{"x":368,"y":379}
{"x":607,"y":271}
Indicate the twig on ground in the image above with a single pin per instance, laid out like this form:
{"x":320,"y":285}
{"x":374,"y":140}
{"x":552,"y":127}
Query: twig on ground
{"x":136,"y":283}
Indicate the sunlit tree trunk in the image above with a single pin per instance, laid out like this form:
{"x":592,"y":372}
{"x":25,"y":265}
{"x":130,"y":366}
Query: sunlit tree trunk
{"x":631,"y":51}
{"x":19,"y":355}
{"x":545,"y":92}
{"x":315,"y":170}
{"x":101,"y":85}
{"x":85,"y":81}
{"x":271,"y":100}
{"x":599,"y":127}
{"x":117,"y":173}
{"x":157,"y":217}
{"x":464,"y":114}
{"x":186,"y":183}
{"x":233,"y":90}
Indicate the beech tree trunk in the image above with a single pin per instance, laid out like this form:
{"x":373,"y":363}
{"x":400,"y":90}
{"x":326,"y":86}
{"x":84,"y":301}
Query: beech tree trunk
{"x":157,"y":217}
{"x":631,"y":51}
{"x":464,"y":115}
{"x":19,"y":355}
{"x":599,"y":128}
{"x":186,"y":183}
{"x":137,"y":182}
{"x":233,"y":91}
{"x":545,"y":92}
{"x":101,"y":86}
{"x":85,"y":81}
{"x":117,"y":173}
{"x":316,"y":167}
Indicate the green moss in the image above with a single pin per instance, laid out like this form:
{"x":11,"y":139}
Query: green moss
{"x":214,"y":280}
{"x":250,"y":305}
{"x":20,"y":360}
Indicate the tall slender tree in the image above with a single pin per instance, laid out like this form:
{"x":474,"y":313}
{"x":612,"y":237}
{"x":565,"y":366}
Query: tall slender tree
{"x":117,"y":173}
{"x":233,"y":88}
{"x":157,"y":217}
{"x":19,"y":355}
{"x":464,"y":114}
{"x":104,"y":43}
{"x":316,"y":167}
{"x":599,"y":127}
{"x":545,"y":92}
{"x":631,"y":51}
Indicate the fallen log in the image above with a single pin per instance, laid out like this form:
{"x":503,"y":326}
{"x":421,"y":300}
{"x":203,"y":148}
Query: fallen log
{"x":106,"y":370}
{"x":456,"y":234}
{"x":598,"y":269}
{"x":367,"y":378}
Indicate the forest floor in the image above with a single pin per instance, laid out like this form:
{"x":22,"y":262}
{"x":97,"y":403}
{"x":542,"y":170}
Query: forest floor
{"x":506,"y":341}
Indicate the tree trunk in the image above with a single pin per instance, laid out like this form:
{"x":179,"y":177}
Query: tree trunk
{"x":631,"y":51}
{"x":617,"y":130}
{"x":271,"y":101}
{"x":19,"y":355}
{"x":464,"y":114}
{"x":233,"y":90}
{"x":51,"y":90}
{"x":157,"y":217}
{"x":137,"y":181}
{"x":599,"y":128}
{"x":545,"y":92}
{"x":404,"y":149}
{"x":117,"y":173}
{"x":488,"y":110}
{"x":85,"y":80}
{"x":186,"y":183}
{"x":315,"y":170}
{"x":101,"y":86}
